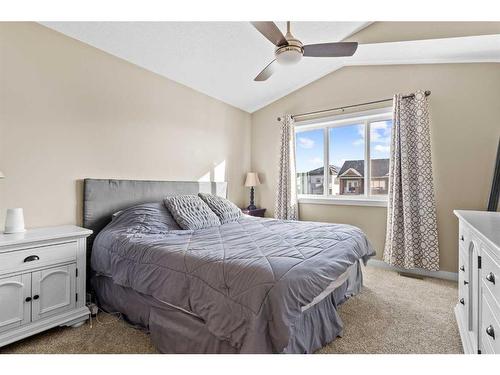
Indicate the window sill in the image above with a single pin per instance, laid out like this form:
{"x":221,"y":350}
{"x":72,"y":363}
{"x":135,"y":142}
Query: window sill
{"x":343,"y":201}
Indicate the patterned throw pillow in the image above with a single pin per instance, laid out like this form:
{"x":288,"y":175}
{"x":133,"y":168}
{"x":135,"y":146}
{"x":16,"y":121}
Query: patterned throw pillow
{"x":226,"y":210}
{"x":190,"y":212}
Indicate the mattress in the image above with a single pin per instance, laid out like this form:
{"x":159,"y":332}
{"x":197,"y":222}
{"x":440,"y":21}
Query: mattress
{"x":250,"y":282}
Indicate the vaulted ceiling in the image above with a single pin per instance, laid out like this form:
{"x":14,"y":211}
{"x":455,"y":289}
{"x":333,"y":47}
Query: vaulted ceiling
{"x":221,"y":59}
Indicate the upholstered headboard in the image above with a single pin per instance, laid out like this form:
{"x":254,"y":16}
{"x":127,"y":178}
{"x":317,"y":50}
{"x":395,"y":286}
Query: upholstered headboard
{"x":103,"y":197}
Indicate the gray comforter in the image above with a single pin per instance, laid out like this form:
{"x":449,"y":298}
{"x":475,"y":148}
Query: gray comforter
{"x":245,"y":279}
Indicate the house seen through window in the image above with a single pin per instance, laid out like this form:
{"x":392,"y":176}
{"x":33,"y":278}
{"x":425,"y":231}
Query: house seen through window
{"x":345,"y":157}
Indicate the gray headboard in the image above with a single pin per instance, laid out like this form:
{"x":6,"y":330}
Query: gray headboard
{"x":103,"y":197}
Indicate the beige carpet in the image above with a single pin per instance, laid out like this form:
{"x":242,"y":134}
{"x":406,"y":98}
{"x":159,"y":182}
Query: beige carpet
{"x":392,"y":314}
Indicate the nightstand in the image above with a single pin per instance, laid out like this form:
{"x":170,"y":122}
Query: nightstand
{"x":259,"y":212}
{"x":42,"y":280}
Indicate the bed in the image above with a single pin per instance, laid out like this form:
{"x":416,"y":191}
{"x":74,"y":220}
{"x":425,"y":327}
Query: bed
{"x":255,"y":285}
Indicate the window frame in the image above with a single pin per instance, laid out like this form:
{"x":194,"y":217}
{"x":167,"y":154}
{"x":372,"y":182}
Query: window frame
{"x":331,"y":122}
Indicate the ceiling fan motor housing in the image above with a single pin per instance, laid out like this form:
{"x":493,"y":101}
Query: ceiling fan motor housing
{"x":289,"y":50}
{"x":290,"y":53}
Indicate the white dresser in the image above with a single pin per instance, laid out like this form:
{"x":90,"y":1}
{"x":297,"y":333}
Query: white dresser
{"x":42,"y":280}
{"x":478,"y":307}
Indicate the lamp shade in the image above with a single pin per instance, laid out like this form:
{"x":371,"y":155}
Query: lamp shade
{"x":2,"y":175}
{"x":252,"y":179}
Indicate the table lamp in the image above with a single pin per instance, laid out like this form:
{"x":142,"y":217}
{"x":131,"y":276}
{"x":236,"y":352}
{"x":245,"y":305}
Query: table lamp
{"x":251,"y":181}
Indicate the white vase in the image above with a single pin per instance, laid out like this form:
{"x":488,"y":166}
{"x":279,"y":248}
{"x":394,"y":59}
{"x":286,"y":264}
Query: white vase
{"x":14,"y":221}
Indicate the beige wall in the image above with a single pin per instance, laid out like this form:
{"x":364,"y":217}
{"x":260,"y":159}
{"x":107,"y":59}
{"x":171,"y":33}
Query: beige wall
{"x":465,"y":129}
{"x":69,"y":111}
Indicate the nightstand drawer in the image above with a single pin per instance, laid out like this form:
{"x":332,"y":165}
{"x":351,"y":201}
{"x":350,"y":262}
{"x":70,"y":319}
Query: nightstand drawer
{"x":37,"y":256}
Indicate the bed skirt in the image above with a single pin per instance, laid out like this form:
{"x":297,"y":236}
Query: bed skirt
{"x":174,"y":330}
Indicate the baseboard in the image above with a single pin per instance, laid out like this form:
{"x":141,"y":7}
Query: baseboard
{"x":453,"y":276}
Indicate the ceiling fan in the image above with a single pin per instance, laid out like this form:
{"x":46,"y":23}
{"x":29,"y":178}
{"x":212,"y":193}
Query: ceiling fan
{"x":290,"y":50}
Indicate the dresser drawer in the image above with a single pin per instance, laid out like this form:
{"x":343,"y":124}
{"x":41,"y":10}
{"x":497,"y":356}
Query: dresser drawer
{"x":463,"y":263}
{"x":463,"y":301}
{"x":490,"y":328}
{"x":486,"y":347}
{"x":37,"y":256}
{"x":490,"y":275}
{"x":463,"y":235}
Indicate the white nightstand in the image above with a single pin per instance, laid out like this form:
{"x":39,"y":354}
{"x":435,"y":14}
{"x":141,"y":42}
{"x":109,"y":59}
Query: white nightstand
{"x":42,"y":280}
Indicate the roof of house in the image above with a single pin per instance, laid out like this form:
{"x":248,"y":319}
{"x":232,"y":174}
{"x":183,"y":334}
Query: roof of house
{"x":379,"y":167}
{"x":319,"y":171}
{"x":357,"y":165}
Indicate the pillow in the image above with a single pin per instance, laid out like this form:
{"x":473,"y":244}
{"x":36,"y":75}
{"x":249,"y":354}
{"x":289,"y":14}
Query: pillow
{"x":226,"y":210}
{"x":190,"y":212}
{"x":147,"y":218}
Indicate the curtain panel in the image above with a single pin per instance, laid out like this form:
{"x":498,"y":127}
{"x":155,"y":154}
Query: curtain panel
{"x":411,"y":238}
{"x":286,"y":205}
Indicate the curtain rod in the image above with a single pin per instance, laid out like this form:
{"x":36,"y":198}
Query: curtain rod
{"x":427,"y":93}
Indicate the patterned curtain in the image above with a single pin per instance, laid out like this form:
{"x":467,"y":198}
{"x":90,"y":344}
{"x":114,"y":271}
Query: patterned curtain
{"x":411,"y":239}
{"x":286,"y":206}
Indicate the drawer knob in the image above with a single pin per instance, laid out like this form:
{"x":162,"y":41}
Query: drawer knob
{"x":36,"y":296}
{"x":31,"y":258}
{"x":490,"y":331}
{"x":466,"y":282}
{"x":491,"y":277}
{"x":28,"y":299}
{"x":462,"y":301}
{"x":462,"y":268}
{"x":462,"y":238}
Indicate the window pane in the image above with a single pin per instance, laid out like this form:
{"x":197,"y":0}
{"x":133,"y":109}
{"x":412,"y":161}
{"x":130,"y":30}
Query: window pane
{"x":347,"y":160}
{"x":380,"y":141}
{"x":309,"y":161}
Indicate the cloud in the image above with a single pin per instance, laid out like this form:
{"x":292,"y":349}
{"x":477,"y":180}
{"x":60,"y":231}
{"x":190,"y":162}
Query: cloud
{"x":379,"y":125}
{"x":361,"y":140}
{"x":380,"y":148}
{"x":377,"y":138}
{"x":380,"y":132}
{"x":358,"y":142}
{"x":305,"y":142}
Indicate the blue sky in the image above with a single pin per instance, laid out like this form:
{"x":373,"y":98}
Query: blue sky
{"x":346,"y":143}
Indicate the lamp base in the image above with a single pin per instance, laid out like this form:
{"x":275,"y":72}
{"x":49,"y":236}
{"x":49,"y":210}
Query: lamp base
{"x":251,"y":206}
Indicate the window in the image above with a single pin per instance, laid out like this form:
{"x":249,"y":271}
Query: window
{"x":310,"y":162}
{"x":380,"y":142}
{"x":345,"y":157}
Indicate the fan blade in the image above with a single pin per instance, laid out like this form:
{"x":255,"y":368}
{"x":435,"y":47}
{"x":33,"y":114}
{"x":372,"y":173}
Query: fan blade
{"x":267,"y":71}
{"x":331,"y":49}
{"x":271,"y":32}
